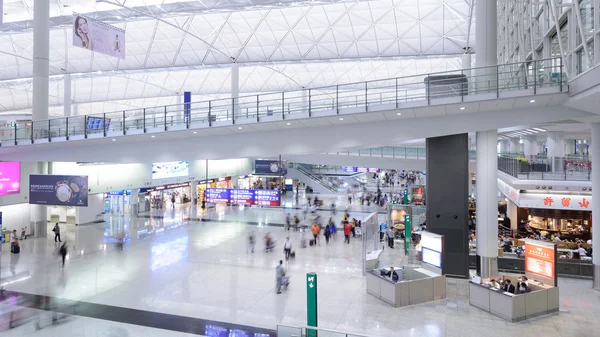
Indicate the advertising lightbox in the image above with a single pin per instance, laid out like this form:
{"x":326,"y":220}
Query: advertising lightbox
{"x":170,"y":169}
{"x":270,"y":167}
{"x":10,"y":177}
{"x":540,"y":261}
{"x":58,"y":190}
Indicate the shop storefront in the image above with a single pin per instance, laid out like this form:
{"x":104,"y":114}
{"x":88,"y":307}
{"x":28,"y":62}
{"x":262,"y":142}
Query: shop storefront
{"x":224,"y":182}
{"x":162,"y":196}
{"x":117,"y":202}
{"x":568,"y":225}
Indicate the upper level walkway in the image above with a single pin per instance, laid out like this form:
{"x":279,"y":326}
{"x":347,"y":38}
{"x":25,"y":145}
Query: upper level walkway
{"x":520,"y":83}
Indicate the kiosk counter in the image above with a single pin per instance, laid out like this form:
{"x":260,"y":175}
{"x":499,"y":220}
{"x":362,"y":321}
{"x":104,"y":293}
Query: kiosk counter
{"x":540,"y":296}
{"x":542,"y":299}
{"x":415,"y":285}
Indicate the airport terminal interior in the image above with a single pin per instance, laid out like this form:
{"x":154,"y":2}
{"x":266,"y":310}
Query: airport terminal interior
{"x":409,"y":168}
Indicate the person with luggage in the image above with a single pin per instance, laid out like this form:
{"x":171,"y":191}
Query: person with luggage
{"x":14,"y":243}
{"x":56,"y":231}
{"x":63,"y":253}
{"x":316,"y":230}
{"x":279,"y":274}
{"x":287,"y":248}
{"x":347,"y":231}
{"x":327,"y":233}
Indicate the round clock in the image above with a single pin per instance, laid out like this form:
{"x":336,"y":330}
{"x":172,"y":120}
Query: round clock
{"x":63,"y":192}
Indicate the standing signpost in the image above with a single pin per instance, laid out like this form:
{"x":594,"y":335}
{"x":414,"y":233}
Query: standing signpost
{"x":311,"y":303}
{"x":407,"y":230}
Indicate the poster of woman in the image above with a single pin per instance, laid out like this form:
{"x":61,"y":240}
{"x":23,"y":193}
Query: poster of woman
{"x":97,"y":36}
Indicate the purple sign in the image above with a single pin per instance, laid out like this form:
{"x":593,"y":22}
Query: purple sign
{"x":58,"y":190}
{"x":10,"y":177}
{"x":243,"y":196}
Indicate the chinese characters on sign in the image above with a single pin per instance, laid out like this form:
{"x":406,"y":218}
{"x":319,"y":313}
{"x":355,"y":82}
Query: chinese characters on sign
{"x":566,"y":201}
{"x":540,"y":260}
{"x":243,"y":196}
{"x":584,"y":203}
{"x":548,"y":201}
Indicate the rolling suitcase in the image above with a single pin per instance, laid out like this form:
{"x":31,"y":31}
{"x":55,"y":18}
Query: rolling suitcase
{"x":311,"y":243}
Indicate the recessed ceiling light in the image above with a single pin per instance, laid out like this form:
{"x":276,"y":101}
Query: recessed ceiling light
{"x":399,"y":113}
{"x":289,"y":123}
{"x":532,"y":101}
{"x":341,"y":118}
{"x":114,"y":140}
{"x":152,"y":136}
{"x":462,"y":107}
{"x":239,"y":127}
{"x":195,"y":132}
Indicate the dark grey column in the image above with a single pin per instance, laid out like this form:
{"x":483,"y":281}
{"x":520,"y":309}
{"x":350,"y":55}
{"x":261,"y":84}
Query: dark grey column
{"x":447,"y":199}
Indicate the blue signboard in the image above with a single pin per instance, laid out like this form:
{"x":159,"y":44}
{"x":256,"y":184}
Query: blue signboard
{"x":58,"y":190}
{"x":357,"y":169}
{"x":187,"y":106}
{"x":0,"y":218}
{"x":244,"y":196}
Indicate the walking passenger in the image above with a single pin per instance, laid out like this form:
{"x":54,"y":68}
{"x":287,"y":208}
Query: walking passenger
{"x":287,"y":248}
{"x":347,"y":230}
{"x":56,"y":231}
{"x":279,"y":273}
{"x":63,"y":253}
{"x":316,"y":230}
{"x":327,"y":233}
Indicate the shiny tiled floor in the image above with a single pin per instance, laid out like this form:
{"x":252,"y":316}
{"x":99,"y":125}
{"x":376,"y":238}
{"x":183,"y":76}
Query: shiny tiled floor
{"x":204,"y":270}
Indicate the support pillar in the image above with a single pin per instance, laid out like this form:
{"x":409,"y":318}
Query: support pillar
{"x":595,"y":153}
{"x":448,"y":174}
{"x":67,"y":95}
{"x":41,"y":66}
{"x":504,"y":146}
{"x":556,"y":149}
{"x":512,"y":214}
{"x":486,"y":41}
{"x":530,"y":146}
{"x":235,"y":85}
{"x":515,"y":146}
{"x":487,"y":203}
{"x":39,"y":213}
{"x":466,"y":66}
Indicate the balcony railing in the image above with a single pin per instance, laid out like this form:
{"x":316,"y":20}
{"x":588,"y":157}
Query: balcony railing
{"x":435,"y":88}
{"x":544,"y":168}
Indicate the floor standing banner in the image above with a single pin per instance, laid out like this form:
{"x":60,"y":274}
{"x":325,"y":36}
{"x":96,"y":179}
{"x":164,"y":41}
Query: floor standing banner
{"x":98,"y":36}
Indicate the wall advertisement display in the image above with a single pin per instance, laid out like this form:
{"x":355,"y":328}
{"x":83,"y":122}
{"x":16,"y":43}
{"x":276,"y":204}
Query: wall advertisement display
{"x":98,"y":36}
{"x":58,"y":190}
{"x":10,"y":177}
{"x":270,"y":167}
{"x":170,"y":169}
{"x":357,"y":169}
{"x":540,"y":260}
{"x":243,"y":196}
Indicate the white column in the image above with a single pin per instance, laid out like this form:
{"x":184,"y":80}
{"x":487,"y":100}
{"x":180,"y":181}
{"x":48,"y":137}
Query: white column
{"x":39,"y":213}
{"x":556,"y":149}
{"x":487,"y":202}
{"x":466,"y":66}
{"x":595,"y":153}
{"x":570,"y":146}
{"x":530,"y":146}
{"x":304,"y":101}
{"x":41,"y":65}
{"x":515,"y":146}
{"x":235,"y":86}
{"x":511,"y":210}
{"x":67,"y":95}
{"x":486,"y":41}
{"x":504,"y":145}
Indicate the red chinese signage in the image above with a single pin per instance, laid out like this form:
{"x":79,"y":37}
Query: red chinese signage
{"x":539,"y":260}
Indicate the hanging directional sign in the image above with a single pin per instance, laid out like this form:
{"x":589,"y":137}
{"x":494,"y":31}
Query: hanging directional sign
{"x":311,"y":303}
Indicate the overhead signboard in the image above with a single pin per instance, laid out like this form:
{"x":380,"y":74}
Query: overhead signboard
{"x":58,"y":190}
{"x":270,"y":167}
{"x":358,"y":169}
{"x":243,"y":196}
{"x":540,"y":261}
{"x":10,"y":177}
{"x":98,"y":36}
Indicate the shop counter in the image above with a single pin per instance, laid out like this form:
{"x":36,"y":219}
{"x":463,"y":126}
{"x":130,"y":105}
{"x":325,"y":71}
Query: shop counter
{"x":542,"y":300}
{"x":415,"y":285}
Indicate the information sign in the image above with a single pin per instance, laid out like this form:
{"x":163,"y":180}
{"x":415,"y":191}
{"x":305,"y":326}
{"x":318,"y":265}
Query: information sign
{"x":244,"y":196}
{"x":311,"y":303}
{"x":540,"y":260}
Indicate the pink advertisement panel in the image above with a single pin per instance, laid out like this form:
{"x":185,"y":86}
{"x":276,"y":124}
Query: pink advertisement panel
{"x":10,"y":177}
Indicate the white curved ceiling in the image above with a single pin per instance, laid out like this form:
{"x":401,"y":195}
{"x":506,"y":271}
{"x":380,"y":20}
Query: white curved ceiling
{"x":307,"y":43}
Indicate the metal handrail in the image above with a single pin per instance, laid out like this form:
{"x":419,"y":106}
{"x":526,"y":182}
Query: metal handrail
{"x":314,"y":328}
{"x":354,"y":97}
